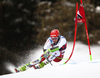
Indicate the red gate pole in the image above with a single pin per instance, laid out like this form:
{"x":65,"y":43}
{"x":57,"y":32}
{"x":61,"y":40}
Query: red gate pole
{"x":81,"y":1}
{"x":88,"y":41}
{"x":87,"y":37}
{"x":74,"y":35}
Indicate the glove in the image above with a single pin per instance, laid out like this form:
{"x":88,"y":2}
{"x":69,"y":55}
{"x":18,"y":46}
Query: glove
{"x":46,"y":54}
{"x":23,"y":68}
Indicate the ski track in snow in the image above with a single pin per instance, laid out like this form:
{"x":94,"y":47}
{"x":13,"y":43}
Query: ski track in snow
{"x":79,"y":66}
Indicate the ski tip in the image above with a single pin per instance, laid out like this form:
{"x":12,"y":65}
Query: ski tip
{"x":16,"y":70}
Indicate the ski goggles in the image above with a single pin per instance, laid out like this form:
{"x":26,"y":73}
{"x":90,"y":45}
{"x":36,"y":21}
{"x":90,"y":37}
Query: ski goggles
{"x":54,"y":38}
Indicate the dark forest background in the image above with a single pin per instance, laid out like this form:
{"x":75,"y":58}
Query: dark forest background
{"x":26,"y":24}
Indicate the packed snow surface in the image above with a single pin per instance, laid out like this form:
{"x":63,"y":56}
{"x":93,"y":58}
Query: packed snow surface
{"x":79,"y":66}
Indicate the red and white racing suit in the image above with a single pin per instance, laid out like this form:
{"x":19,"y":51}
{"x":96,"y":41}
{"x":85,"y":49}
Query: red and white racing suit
{"x":61,"y":43}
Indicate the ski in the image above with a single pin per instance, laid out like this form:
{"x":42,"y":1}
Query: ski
{"x":46,"y":55}
{"x":25,"y":67}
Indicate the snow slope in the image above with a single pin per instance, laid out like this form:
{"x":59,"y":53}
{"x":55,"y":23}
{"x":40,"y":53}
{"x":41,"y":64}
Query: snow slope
{"x":79,"y":65}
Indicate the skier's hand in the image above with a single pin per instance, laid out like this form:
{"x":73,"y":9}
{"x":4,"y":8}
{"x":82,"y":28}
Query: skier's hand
{"x":47,"y":54}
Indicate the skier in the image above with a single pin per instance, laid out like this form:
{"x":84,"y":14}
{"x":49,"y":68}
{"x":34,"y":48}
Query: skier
{"x":53,"y":49}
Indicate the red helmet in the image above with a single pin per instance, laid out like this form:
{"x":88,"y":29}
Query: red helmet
{"x":54,"y":33}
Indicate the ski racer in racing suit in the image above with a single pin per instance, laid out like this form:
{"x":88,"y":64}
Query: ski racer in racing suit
{"x":54,"y":48}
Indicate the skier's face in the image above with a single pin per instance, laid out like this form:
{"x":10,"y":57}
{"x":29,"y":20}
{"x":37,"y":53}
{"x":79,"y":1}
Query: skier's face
{"x":54,"y":39}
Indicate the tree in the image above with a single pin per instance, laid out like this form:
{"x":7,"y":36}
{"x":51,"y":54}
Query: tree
{"x":18,"y":23}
